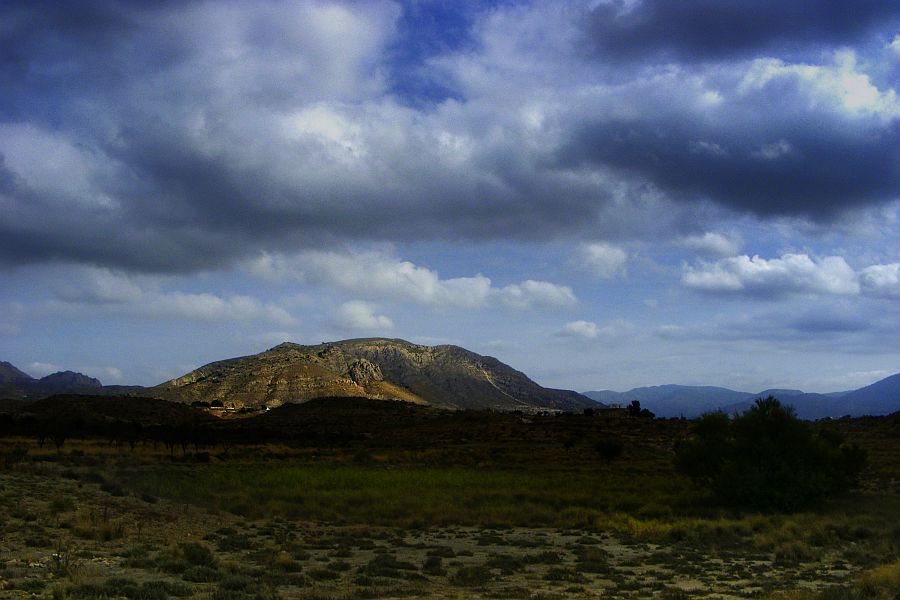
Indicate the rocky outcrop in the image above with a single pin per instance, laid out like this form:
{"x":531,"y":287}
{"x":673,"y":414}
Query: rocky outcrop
{"x":363,"y":372}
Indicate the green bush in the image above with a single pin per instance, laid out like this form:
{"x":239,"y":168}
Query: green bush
{"x":768,"y":459}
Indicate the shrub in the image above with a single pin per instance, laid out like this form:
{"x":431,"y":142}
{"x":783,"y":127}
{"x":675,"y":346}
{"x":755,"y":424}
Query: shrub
{"x":472,"y":576}
{"x":197,"y":555}
{"x":609,"y":449}
{"x":767,"y":458}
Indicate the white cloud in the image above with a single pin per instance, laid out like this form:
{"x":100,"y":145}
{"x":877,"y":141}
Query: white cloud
{"x":881,"y":280}
{"x":537,"y":294}
{"x":209,"y":307}
{"x":774,"y":151}
{"x":377,"y":274}
{"x":113,"y":373}
{"x":895,"y":44}
{"x":42,"y":369}
{"x":840,"y":84}
{"x":583,"y":329}
{"x":57,"y":167}
{"x":101,"y":286}
{"x":359,"y":315}
{"x":773,"y":278}
{"x":590,"y":330}
{"x":115,"y":293}
{"x":603,"y":260}
{"x":385,"y":276}
{"x":705,"y":147}
{"x":104,"y":374}
{"x":712,"y":244}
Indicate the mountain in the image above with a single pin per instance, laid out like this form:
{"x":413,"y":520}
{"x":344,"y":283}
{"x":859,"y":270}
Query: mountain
{"x":17,"y":385}
{"x":377,"y":368}
{"x":880,"y":398}
{"x":10,"y":374}
{"x":68,"y":381}
{"x":674,"y":400}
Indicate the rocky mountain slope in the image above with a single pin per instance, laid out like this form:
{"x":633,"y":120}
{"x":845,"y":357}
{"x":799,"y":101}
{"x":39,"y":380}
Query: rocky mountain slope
{"x":442,"y":376}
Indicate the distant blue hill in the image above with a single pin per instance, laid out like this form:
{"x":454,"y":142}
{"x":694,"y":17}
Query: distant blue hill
{"x":880,"y":398}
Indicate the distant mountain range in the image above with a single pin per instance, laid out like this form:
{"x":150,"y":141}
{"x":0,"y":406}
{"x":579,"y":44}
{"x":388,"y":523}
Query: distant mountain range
{"x":377,"y":368}
{"x":880,"y":398}
{"x":16,"y":385}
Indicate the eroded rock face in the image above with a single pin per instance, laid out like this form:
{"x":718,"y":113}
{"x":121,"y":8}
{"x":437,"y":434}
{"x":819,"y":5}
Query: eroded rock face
{"x":363,"y":372}
{"x":444,"y":376}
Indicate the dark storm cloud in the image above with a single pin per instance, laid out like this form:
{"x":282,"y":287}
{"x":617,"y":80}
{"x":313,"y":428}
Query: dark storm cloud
{"x":716,"y":29}
{"x":767,"y":166}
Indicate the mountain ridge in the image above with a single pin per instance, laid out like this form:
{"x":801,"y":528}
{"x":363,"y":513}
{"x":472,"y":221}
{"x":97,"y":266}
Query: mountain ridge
{"x":671,"y":400}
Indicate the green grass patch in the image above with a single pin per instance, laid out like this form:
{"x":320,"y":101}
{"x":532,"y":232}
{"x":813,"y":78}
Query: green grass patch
{"x":409,"y":496}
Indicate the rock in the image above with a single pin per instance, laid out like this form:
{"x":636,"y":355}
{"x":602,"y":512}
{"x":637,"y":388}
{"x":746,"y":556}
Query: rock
{"x":363,"y":372}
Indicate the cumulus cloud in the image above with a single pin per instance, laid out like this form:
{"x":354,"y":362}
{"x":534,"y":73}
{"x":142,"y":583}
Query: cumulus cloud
{"x":536,"y":294}
{"x":589,"y":330}
{"x":42,"y":369}
{"x":881,"y":280}
{"x":118,"y":293}
{"x":386,"y":276}
{"x":359,"y":315}
{"x":793,"y":274}
{"x":603,"y":260}
{"x":113,"y":373}
{"x":376,"y":274}
{"x":210,"y":307}
{"x":773,"y":278}
{"x":711,"y":244}
{"x":583,"y":329}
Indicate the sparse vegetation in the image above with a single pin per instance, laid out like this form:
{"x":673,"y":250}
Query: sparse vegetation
{"x":455,"y":514}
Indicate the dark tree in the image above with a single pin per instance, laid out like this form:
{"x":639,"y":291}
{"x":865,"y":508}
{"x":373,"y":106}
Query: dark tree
{"x":768,"y":459}
{"x":635,"y":410}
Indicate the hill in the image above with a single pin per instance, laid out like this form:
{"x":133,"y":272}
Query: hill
{"x":377,"y":368}
{"x":10,"y":374}
{"x":674,"y":400}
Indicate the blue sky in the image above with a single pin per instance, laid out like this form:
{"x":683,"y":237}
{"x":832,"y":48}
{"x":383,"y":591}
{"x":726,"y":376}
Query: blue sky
{"x":602,"y":194}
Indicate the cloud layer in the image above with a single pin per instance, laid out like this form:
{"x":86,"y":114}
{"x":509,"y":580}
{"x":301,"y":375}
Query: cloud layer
{"x":191,"y":136}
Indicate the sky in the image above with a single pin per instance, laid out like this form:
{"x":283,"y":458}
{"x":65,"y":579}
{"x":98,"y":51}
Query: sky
{"x":603,"y":195}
